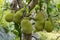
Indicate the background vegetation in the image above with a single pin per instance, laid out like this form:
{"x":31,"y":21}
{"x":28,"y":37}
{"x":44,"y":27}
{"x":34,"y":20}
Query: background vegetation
{"x":13,"y":31}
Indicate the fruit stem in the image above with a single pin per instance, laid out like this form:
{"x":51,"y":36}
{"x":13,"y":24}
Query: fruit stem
{"x":20,"y":33}
{"x":18,"y":28}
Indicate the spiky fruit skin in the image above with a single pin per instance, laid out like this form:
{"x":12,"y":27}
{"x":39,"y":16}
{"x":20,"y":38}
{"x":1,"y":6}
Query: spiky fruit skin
{"x":39,"y":17}
{"x":39,"y":26}
{"x":26,"y":26}
{"x":39,"y":21}
{"x":17,"y":16}
{"x":9,"y":17}
{"x":48,"y":26}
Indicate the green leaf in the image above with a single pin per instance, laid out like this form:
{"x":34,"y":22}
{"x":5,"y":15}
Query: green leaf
{"x":58,"y":6}
{"x":1,"y":2}
{"x":27,"y":0}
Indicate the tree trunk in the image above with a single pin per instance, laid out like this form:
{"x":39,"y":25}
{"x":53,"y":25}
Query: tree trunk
{"x":27,"y":36}
{"x":32,"y":4}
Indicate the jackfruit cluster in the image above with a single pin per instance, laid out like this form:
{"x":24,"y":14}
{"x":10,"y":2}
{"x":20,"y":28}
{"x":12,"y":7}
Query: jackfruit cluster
{"x":26,"y":26}
{"x":48,"y":26}
{"x":16,"y":18}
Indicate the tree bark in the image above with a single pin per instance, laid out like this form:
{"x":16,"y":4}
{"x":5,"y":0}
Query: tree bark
{"x":15,"y":3}
{"x":32,"y":4}
{"x":20,"y":3}
{"x":27,"y":36}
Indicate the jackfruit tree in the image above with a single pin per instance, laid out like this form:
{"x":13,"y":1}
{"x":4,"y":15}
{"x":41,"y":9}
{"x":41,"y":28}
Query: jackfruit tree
{"x":30,"y":16}
{"x":22,"y":17}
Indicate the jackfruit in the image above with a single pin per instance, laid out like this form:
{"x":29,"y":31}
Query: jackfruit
{"x":17,"y":16}
{"x":26,"y":26}
{"x":9,"y":17}
{"x":48,"y":26}
{"x":39,"y":26}
{"x":39,"y":17}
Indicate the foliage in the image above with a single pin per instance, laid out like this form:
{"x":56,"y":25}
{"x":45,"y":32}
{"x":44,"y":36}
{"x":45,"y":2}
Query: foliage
{"x":49,"y":8}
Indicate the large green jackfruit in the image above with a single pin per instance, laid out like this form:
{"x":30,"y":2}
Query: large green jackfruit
{"x":9,"y":17}
{"x":39,"y":26}
{"x":49,"y":25}
{"x":39,"y":17}
{"x":18,"y":15}
{"x":26,"y":26}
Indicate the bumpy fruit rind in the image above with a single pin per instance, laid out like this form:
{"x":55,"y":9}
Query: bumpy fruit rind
{"x":39,"y":26}
{"x":9,"y":17}
{"x":49,"y":26}
{"x":17,"y":16}
{"x":26,"y":26}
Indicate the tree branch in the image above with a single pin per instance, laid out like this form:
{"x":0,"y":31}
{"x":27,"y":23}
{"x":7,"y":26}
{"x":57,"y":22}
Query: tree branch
{"x":14,"y":3}
{"x":32,"y":4}
{"x":20,"y":3}
{"x":29,"y":1}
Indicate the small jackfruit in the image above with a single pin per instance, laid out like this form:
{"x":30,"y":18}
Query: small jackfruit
{"x":39,"y":26}
{"x":9,"y":17}
{"x":39,"y":17}
{"x":48,"y":26}
{"x":26,"y":26}
{"x":17,"y":16}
